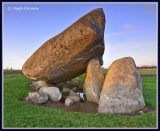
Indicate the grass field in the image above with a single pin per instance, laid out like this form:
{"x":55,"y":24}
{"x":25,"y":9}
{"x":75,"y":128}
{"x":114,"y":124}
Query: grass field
{"x":18,"y":114}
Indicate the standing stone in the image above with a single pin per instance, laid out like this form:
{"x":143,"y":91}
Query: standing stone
{"x":66,"y":55}
{"x":122,"y":89}
{"x":94,"y":81}
{"x":53,"y":93}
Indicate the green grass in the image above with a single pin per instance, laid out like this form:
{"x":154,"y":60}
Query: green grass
{"x":17,"y":113}
{"x":80,"y":78}
{"x":149,"y":91}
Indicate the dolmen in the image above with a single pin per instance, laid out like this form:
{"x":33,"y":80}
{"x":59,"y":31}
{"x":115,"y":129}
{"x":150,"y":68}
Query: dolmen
{"x":77,"y":50}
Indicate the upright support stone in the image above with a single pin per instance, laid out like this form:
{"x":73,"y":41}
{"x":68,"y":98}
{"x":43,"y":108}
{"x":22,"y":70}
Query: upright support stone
{"x":122,"y":89}
{"x":94,"y":81}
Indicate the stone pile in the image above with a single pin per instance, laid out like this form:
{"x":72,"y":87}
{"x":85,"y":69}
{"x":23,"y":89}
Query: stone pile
{"x":55,"y":94}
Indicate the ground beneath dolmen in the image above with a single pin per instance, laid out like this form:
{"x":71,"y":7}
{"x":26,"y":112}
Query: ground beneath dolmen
{"x":86,"y":107}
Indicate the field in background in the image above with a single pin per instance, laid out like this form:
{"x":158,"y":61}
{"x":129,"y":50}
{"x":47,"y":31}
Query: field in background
{"x":17,"y":113}
{"x":143,"y":72}
{"x":12,"y":72}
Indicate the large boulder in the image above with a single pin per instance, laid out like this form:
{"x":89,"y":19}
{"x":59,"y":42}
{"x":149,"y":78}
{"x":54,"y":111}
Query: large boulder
{"x":94,"y":81}
{"x":122,"y":89}
{"x":66,"y":55}
{"x":53,"y":93}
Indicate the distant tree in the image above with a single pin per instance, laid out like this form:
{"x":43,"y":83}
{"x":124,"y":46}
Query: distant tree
{"x":147,"y":67}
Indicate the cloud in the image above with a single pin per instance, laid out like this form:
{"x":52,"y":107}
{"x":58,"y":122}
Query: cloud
{"x":114,"y":34}
{"x":131,"y":27}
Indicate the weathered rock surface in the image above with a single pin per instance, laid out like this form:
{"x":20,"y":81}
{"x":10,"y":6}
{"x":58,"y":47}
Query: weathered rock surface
{"x":53,"y":93}
{"x":68,"y":102}
{"x":66,"y":55}
{"x":122,"y":89}
{"x":37,"y":97}
{"x":75,"y":99}
{"x":74,"y":96}
{"x":59,"y":85}
{"x":74,"y":88}
{"x":94,"y":81}
{"x":38,"y":84}
{"x":65,"y":90}
{"x":72,"y":93}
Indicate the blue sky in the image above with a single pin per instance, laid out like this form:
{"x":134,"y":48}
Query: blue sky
{"x":131,"y":29}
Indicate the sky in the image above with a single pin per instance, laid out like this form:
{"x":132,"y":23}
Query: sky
{"x":131,"y":29}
